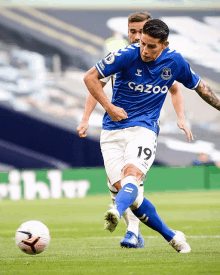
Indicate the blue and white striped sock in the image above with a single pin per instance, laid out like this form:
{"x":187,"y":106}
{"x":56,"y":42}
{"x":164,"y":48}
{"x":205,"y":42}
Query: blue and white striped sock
{"x":126,"y":197}
{"x":148,"y":215}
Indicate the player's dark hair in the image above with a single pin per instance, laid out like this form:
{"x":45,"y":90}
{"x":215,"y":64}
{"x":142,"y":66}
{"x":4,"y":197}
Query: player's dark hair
{"x":156,"y":28}
{"x":139,"y":17}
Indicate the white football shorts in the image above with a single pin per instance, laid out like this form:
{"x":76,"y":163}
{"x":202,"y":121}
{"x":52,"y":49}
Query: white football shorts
{"x":136,"y":145}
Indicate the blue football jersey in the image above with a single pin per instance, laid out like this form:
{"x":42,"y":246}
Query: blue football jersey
{"x":141,"y":87}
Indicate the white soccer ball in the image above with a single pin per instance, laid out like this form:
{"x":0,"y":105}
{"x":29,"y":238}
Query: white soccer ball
{"x":32,"y":237}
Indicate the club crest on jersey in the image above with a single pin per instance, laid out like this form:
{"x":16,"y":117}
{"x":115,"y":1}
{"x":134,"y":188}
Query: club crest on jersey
{"x":166,"y":73}
{"x":109,"y":59}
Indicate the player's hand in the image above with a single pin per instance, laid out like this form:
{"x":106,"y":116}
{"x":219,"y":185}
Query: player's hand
{"x":182,"y":124}
{"x":116,"y":113}
{"x":82,"y":128}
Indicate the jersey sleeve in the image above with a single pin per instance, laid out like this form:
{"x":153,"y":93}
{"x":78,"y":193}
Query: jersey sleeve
{"x":113,"y":63}
{"x":186,"y":75}
{"x":105,"y":79}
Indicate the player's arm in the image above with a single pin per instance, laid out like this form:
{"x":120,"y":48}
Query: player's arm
{"x":178,"y":104}
{"x":89,"y":107}
{"x":206,"y":93}
{"x":92,"y":81}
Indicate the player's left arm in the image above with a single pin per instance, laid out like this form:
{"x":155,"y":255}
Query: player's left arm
{"x":178,"y":104}
{"x":205,"y":92}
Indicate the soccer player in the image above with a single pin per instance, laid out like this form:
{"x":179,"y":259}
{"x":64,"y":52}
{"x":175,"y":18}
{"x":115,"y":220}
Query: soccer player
{"x":145,"y":72}
{"x":133,"y":237}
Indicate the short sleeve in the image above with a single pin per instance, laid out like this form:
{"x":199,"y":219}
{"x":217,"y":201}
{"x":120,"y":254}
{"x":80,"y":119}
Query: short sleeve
{"x":186,"y":75}
{"x":105,"y":79}
{"x":113,"y":62}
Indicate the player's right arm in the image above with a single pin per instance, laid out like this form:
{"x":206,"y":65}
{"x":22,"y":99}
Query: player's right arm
{"x":92,"y":81}
{"x":89,"y":107}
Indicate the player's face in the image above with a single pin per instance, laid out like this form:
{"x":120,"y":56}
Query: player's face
{"x":135,"y":31}
{"x":151,"y":48}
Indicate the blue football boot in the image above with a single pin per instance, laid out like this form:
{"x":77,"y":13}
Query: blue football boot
{"x":130,"y":240}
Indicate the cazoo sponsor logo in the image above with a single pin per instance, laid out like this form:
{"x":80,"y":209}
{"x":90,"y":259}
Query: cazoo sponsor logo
{"x":147,"y":88}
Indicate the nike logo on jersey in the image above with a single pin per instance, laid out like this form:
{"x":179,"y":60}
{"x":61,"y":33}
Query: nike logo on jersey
{"x":139,"y":72}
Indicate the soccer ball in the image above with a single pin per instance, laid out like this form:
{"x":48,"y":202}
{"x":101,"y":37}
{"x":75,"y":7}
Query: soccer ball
{"x":32,"y":237}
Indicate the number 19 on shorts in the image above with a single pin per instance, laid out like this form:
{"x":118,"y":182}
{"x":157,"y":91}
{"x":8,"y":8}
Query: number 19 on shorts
{"x":144,"y":151}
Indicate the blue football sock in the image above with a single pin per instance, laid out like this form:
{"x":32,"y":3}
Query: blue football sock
{"x":148,"y":215}
{"x":126,"y":197}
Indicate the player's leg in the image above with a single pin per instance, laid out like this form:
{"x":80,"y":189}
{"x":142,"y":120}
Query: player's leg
{"x":145,"y":210}
{"x":132,"y":223}
{"x":113,"y":158}
{"x":113,"y":155}
{"x":140,"y":148}
{"x":113,"y":193}
{"x":126,"y":215}
{"x":133,"y":227}
{"x":129,"y":191}
{"x":147,"y":213}
{"x":127,"y":196}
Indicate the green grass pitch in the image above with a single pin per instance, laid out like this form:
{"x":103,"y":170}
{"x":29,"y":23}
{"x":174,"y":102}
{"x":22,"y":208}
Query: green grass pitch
{"x":79,"y":245}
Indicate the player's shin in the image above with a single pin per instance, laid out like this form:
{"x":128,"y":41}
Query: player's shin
{"x":131,"y":221}
{"x":127,"y":195}
{"x":113,"y":192}
{"x":134,"y":222}
{"x":147,"y":214}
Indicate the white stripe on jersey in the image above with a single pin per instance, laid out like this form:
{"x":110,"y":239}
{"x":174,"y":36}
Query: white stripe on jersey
{"x":197,"y":84}
{"x":100,"y":72}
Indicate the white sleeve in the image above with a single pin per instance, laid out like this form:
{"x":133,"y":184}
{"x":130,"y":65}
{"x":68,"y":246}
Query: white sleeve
{"x":105,"y":79}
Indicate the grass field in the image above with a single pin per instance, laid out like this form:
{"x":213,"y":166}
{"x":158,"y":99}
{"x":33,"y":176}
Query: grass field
{"x":79,"y":245}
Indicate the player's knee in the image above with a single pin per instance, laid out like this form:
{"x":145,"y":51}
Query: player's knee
{"x":117,"y":185}
{"x":132,"y":170}
{"x":129,"y":170}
